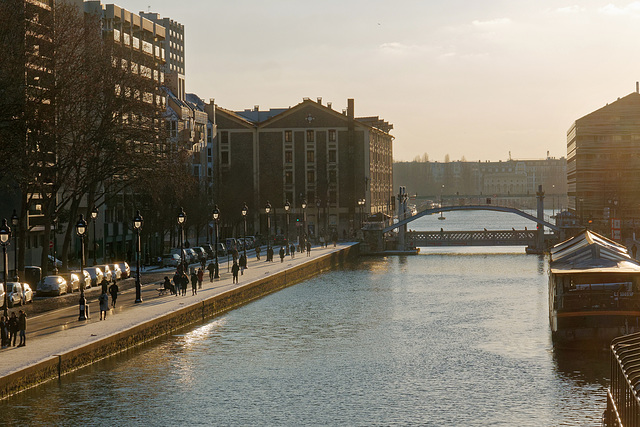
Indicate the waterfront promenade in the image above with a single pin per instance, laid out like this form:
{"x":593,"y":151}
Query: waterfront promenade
{"x":57,"y":335}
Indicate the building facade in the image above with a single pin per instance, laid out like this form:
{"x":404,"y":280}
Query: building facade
{"x":307,"y":153}
{"x":603,"y":166}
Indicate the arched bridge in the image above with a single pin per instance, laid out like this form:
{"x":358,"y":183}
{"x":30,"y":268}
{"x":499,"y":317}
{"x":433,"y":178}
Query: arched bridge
{"x":472,"y":208}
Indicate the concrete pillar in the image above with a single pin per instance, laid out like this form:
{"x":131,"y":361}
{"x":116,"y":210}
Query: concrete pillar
{"x":540,"y":205}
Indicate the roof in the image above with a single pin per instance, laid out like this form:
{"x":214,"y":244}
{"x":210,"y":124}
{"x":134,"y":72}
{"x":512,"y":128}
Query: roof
{"x":589,"y":251}
{"x":632,"y":100}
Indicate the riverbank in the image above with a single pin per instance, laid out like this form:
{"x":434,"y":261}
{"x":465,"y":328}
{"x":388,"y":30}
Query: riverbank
{"x":62,"y":344}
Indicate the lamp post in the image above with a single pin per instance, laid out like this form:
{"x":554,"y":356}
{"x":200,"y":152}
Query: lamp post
{"x":5,"y":236}
{"x":14,"y":222}
{"x":267,"y":209}
{"x":94,"y":216}
{"x":361,"y":206}
{"x":182,"y":217}
{"x":287,"y":206}
{"x":245,"y":209}
{"x":216,"y":219}
{"x":54,"y":224}
{"x":318,"y":203}
{"x":137,"y":225}
{"x":304,"y":218}
{"x":81,"y":230}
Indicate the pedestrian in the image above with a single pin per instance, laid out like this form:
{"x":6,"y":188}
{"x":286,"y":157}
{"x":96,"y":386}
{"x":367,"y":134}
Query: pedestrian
{"x":242,"y":263}
{"x":176,"y":282}
{"x":184,"y":281}
{"x":335,"y":238}
{"x":22,"y":328}
{"x":281,"y":254}
{"x":104,"y":284}
{"x":308,"y":247}
{"x":194,"y":283}
{"x":13,"y":329}
{"x":167,"y":285}
{"x":234,"y":253}
{"x":113,"y":290}
{"x":292,"y":250}
{"x":104,"y":305}
{"x":211,"y":269}
{"x":270,"y":253}
{"x":258,"y":253}
{"x":321,"y":240}
{"x":4,"y":333}
{"x":200,"y":278}
{"x":234,"y":270}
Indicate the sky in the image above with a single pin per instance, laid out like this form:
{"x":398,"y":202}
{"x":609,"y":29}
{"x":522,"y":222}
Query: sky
{"x":463,"y":79}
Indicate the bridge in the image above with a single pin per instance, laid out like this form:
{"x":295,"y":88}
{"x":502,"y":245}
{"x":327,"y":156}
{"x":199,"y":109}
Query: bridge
{"x":533,"y":239}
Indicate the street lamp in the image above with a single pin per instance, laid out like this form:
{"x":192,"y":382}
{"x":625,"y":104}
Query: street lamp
{"x":287,"y":206}
{"x":182,"y":217}
{"x":304,"y":218}
{"x":267,"y":209}
{"x":216,"y":219}
{"x":81,"y":231}
{"x":94,"y":216}
{"x":54,"y":225}
{"x":245,"y":209}
{"x":137,"y":225}
{"x":318,"y":202}
{"x":14,"y":222}
{"x":5,"y":236}
{"x":361,"y":205}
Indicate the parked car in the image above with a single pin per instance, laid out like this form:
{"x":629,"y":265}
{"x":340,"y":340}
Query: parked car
{"x":184,"y":255}
{"x":96,"y":275}
{"x":18,"y":294}
{"x":231,"y":243}
{"x":202,"y":254}
{"x":192,"y":255}
{"x":106,"y":272}
{"x":222,"y":249}
{"x":208,"y":248}
{"x":54,"y":262}
{"x":51,"y":285}
{"x":74,"y":280}
{"x":125,"y":269}
{"x":170,"y":260}
{"x":116,"y":273}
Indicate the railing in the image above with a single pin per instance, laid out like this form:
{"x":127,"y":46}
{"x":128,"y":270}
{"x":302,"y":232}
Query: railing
{"x":598,"y":300}
{"x":472,"y":238}
{"x":623,"y":403}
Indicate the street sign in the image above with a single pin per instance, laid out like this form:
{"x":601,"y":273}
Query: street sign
{"x":615,"y":229}
{"x":50,"y":244}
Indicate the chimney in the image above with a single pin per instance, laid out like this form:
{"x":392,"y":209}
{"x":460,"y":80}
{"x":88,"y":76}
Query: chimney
{"x":256,"y":107}
{"x":350,"y":112}
{"x":329,"y":104}
{"x":319,"y":99}
{"x":637,"y":87}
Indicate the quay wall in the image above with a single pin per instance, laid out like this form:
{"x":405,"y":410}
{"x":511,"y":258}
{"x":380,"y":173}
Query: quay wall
{"x":58,"y":365}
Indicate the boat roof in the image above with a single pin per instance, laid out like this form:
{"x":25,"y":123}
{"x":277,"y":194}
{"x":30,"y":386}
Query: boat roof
{"x":590,"y":252}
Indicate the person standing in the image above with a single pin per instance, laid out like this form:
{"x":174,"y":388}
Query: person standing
{"x":234,"y":270}
{"x":177,"y":279}
{"x":200,"y":278}
{"x":292,"y":250}
{"x":104,"y":284}
{"x":211,"y":268}
{"x":308,"y":247}
{"x":258,"y":253}
{"x":184,"y":281}
{"x":194,"y":283}
{"x":113,"y":290}
{"x":281,"y":254}
{"x":22,"y":328}
{"x":4,"y":333}
{"x":13,"y":329}
{"x":104,"y":305}
{"x":243,"y":263}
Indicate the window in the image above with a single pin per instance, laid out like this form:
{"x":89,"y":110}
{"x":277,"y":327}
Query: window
{"x":333,"y":177}
{"x":288,"y":156}
{"x":224,"y":137}
{"x":311,"y":156}
{"x":332,"y":156}
{"x":332,"y":135}
{"x":310,"y":135}
{"x":288,"y":136}
{"x":311,"y":177}
{"x":288,"y":177}
{"x":333,"y":197}
{"x":224,"y":158}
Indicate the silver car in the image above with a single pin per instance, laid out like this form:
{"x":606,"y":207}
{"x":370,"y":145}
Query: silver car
{"x":18,"y":294}
{"x":51,"y":285}
{"x":96,"y":275}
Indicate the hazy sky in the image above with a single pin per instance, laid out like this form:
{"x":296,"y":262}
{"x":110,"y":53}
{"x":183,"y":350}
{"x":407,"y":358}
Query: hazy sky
{"x":472,"y":78}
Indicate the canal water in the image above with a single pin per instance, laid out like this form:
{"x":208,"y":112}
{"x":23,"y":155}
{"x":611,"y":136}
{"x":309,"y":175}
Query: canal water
{"x":449,"y":337}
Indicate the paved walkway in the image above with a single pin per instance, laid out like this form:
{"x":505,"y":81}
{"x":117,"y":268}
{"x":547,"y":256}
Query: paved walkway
{"x":59,"y":331}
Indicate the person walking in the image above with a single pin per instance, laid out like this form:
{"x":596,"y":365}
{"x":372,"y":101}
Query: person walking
{"x":211,"y":269}
{"x":113,"y":290}
{"x":292,"y":250}
{"x":194,"y":283}
{"x":104,"y":284}
{"x":258,"y":253}
{"x":234,"y":270}
{"x":13,"y":329}
{"x":184,"y":281}
{"x":177,"y":279}
{"x":281,"y":254}
{"x":22,"y":328}
{"x":308,"y":247}
{"x":4,"y":332}
{"x":104,"y":305}
{"x":270,"y":253}
{"x":200,"y":278}
{"x":242,"y":263}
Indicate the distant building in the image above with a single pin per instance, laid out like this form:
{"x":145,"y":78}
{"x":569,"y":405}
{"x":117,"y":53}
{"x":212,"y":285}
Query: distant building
{"x":603,"y":165}
{"x":306,"y":152}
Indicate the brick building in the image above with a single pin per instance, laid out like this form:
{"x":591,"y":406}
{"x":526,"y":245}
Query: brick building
{"x":307,"y":152}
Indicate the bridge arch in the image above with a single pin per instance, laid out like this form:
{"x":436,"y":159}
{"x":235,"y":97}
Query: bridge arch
{"x":472,"y":208}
